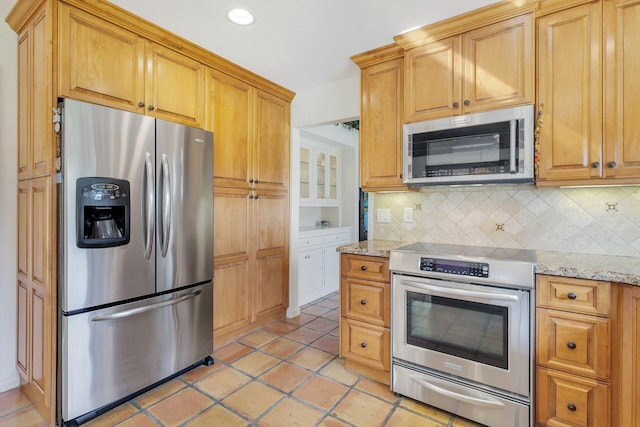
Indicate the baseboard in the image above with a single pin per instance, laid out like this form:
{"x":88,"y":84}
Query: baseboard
{"x":9,"y":382}
{"x":293,"y":312}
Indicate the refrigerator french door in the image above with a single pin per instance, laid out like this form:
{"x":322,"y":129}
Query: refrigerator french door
{"x":135,"y":254}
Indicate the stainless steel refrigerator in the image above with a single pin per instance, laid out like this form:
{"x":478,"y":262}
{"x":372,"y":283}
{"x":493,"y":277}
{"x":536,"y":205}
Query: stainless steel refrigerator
{"x":135,"y":255}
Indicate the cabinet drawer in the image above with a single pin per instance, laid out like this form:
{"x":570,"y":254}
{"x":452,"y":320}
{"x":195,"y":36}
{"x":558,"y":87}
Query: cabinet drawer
{"x":341,"y":237}
{"x":574,"y":343}
{"x":305,"y":242}
{"x":567,"y":400}
{"x":365,"y":344}
{"x":366,"y":301}
{"x":576,"y":295}
{"x":365,"y":267}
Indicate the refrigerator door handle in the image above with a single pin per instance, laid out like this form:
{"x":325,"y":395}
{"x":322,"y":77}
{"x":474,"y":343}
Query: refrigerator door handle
{"x":144,"y":309}
{"x":148,"y":228}
{"x":165,"y":181}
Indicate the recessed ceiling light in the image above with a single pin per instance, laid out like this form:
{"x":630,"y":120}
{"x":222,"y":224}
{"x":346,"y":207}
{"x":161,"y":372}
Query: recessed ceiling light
{"x":240,"y":16}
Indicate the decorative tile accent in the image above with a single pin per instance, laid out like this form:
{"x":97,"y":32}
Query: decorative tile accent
{"x":554,"y":219}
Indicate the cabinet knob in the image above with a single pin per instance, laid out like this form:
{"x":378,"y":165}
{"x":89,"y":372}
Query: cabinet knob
{"x":251,"y":181}
{"x":467,"y":102}
{"x":140,"y":104}
{"x":571,"y":407}
{"x":257,"y":197}
{"x":571,"y":295}
{"x":151,"y":108}
{"x":456,"y":104}
{"x":363,"y":301}
{"x":595,"y":165}
{"x":612,"y":164}
{"x":363,"y":344}
{"x":256,"y":181}
{"x":251,"y":196}
{"x":571,"y":345}
{"x":363,"y":268}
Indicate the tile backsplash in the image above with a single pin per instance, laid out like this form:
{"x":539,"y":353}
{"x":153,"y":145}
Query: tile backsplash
{"x":588,"y":220}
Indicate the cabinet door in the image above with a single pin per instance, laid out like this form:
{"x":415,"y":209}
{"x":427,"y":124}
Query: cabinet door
{"x":320,"y":177}
{"x":174,"y":86}
{"x":23,"y":313}
{"x":630,"y":349}
{"x":570,"y":87}
{"x":99,"y":62}
{"x":35,"y":98}
{"x":432,"y":80}
{"x":622,"y":85}
{"x":332,"y":177}
{"x":305,"y":174}
{"x":499,"y":65}
{"x":381,"y":127}
{"x":232,"y":117}
{"x":232,"y":287}
{"x":310,"y":275}
{"x":271,"y":236}
{"x":271,"y":146}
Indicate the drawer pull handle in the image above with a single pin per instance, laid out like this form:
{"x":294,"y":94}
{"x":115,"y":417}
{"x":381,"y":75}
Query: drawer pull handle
{"x":363,"y":301}
{"x":363,"y":268}
{"x":571,"y":345}
{"x":571,"y":407}
{"x":571,"y":295}
{"x":363,"y":344}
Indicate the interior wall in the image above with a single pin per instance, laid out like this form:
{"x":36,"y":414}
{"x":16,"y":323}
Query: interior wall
{"x":8,"y":207}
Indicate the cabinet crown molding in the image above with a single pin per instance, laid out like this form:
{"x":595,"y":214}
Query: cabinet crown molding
{"x":22,"y":12}
{"x":375,"y":56}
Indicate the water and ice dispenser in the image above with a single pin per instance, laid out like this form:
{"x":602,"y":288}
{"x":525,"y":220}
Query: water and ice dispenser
{"x":103,"y":212}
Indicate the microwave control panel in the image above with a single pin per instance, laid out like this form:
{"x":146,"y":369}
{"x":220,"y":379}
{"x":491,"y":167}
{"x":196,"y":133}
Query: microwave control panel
{"x":462,"y":268}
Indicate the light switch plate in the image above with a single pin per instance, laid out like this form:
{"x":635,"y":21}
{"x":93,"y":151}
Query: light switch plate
{"x":408,"y":214}
{"x":383,"y":215}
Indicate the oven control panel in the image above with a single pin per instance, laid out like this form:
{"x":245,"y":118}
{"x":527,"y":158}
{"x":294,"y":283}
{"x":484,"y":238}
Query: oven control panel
{"x":462,"y":268}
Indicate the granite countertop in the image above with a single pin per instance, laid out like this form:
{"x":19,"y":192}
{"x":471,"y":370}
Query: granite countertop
{"x":609,"y":268}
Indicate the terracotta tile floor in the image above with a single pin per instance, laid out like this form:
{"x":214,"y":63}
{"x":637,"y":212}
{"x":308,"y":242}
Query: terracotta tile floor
{"x":285,"y":374}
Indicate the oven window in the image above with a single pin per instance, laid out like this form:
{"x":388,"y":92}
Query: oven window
{"x":466,"y":329}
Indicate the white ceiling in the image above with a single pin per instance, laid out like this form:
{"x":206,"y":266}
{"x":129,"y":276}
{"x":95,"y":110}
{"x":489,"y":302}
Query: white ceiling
{"x":299,"y":44}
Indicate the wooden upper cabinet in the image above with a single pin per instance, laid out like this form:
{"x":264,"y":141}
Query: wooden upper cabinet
{"x":175,"y":86}
{"x":271,"y":147}
{"x":230,"y":119}
{"x":570,"y":88}
{"x":35,"y":98}
{"x":486,"y":68}
{"x":99,"y":62}
{"x":251,"y":133}
{"x":105,"y":64}
{"x":622,"y":86}
{"x":381,"y":126}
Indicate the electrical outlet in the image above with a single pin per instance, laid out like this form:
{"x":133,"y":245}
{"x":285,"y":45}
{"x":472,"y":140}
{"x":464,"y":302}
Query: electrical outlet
{"x":383,"y":215}
{"x":408,"y":215}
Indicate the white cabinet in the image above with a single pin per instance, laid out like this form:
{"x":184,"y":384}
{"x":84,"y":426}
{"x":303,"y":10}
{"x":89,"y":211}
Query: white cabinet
{"x":319,"y":263}
{"x":318,"y":176}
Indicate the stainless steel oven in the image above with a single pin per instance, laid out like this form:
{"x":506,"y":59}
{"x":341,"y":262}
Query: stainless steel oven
{"x":462,"y":330}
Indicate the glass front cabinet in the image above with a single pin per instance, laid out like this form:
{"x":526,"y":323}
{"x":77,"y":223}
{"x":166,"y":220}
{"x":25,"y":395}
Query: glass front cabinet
{"x":318,"y":176}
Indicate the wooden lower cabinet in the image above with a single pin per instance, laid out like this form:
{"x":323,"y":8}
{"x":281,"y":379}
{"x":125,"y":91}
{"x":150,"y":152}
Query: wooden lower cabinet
{"x":251,"y":260}
{"x":576,"y":346}
{"x":36,"y":294}
{"x":629,"y":407}
{"x":365,"y":309}
{"x":570,"y":400}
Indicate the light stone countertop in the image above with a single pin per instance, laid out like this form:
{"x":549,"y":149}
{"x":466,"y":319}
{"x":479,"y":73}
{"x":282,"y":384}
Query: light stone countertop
{"x":607,"y":268}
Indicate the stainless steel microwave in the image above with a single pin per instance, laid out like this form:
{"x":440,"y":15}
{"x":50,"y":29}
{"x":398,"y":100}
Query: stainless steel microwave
{"x":479,"y":148}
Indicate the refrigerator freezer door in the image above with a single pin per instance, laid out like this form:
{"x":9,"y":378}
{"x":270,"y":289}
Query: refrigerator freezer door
{"x":184,"y":182}
{"x":111,"y":353}
{"x":108,"y":143}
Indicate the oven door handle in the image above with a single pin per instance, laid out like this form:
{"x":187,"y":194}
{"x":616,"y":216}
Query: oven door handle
{"x":459,"y":292}
{"x":461,"y":397}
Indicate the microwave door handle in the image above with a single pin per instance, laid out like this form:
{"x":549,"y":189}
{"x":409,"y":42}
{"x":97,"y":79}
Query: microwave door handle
{"x":458,"y":292}
{"x":512,"y":146}
{"x":461,"y":397}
